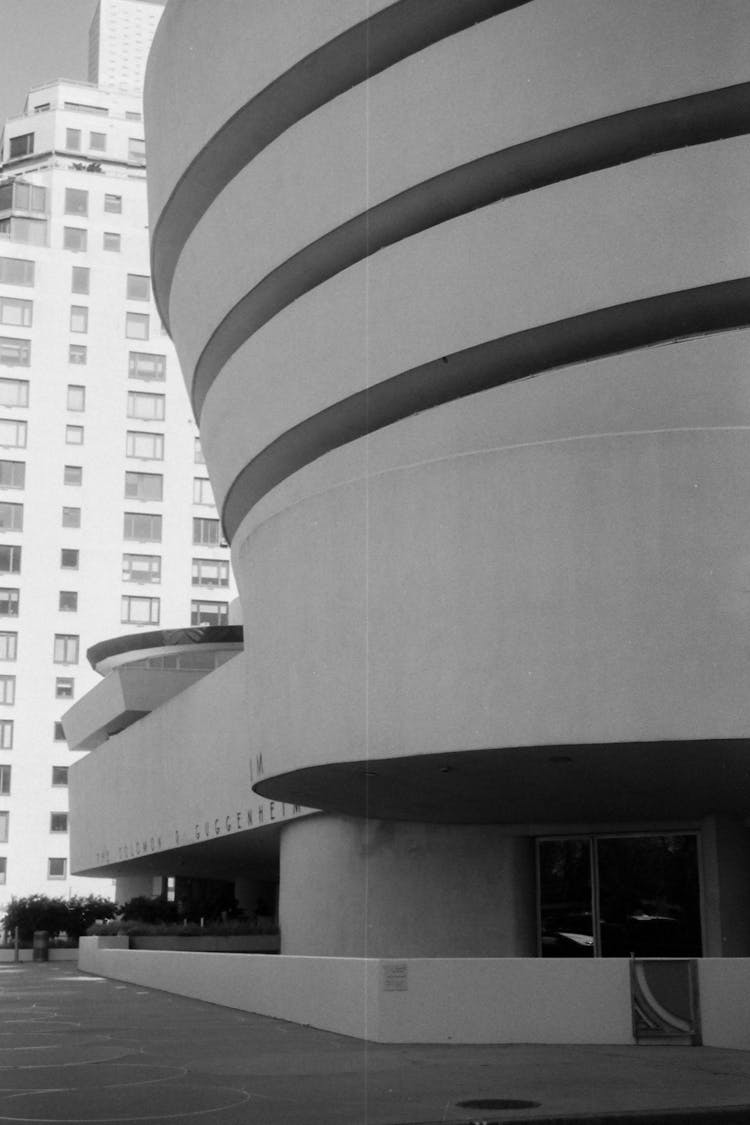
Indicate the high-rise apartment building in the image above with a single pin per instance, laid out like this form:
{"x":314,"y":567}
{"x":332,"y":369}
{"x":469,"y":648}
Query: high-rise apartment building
{"x":107,"y":521}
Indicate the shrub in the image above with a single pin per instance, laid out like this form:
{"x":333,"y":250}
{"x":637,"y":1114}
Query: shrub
{"x":72,"y":916}
{"x":151,"y":910}
{"x":184,"y":929}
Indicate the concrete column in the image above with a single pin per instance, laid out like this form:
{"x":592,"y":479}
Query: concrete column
{"x":725,"y":862}
{"x":354,"y":888}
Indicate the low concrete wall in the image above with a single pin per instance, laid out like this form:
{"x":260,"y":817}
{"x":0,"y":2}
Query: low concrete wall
{"x":724,"y":987}
{"x":513,"y":1000}
{"x":8,"y":954}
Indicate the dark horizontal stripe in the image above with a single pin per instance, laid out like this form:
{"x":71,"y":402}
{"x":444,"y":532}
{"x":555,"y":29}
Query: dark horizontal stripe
{"x":581,"y":149}
{"x":579,"y":339}
{"x":162,"y":638}
{"x":400,"y":30}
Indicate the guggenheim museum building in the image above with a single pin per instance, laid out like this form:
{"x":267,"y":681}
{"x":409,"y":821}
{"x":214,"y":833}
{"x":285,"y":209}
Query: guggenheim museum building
{"x":460,"y":290}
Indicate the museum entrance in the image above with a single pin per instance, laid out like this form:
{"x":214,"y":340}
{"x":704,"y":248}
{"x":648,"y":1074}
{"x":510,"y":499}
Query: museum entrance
{"x":619,"y":896}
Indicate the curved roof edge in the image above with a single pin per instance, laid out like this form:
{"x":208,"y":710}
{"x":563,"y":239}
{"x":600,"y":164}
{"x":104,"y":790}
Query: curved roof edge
{"x":135,"y":645}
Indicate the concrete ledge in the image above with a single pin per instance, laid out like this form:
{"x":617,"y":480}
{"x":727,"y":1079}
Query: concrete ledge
{"x":8,"y":954}
{"x":418,"y":1001}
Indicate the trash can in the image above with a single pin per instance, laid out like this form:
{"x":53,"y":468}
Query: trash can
{"x":41,"y":945}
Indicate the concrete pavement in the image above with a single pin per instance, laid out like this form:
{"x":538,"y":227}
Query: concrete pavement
{"x":75,"y":1048}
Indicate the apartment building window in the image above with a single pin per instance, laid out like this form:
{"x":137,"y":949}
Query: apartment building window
{"x":12,"y":433}
{"x":12,"y":474}
{"x":138,"y":287}
{"x":59,"y":777}
{"x":202,"y":491}
{"x":98,"y":142}
{"x":73,"y":474}
{"x":73,"y":139}
{"x":142,"y":526}
{"x":8,"y":645}
{"x":16,"y":312}
{"x":139,"y":611}
{"x":7,"y":690}
{"x":143,"y":365}
{"x":111,"y":241}
{"x":6,"y":734}
{"x":31,"y":231}
{"x":113,"y":204}
{"x":198,"y":452}
{"x":69,"y":558}
{"x":3,"y":870}
{"x":210,"y":572}
{"x":14,"y":392}
{"x":57,"y":867}
{"x":11,"y":516}
{"x":146,"y":407}
{"x":76,"y":201}
{"x":149,"y":447}
{"x":65,"y":650}
{"x":15,"y":353}
{"x":74,"y":435}
{"x":64,"y":687}
{"x":5,"y":775}
{"x":9,"y":599}
{"x":58,"y":734}
{"x":71,"y":517}
{"x":68,"y":601}
{"x":133,"y":115}
{"x":77,"y":353}
{"x":141,"y":568}
{"x":16,"y":271}
{"x":80,"y":279}
{"x":209,"y":613}
{"x":10,"y":559}
{"x":76,"y":399}
{"x":23,"y":145}
{"x":79,"y":318}
{"x":21,"y":196}
{"x":206,"y":532}
{"x":4,"y":826}
{"x":75,"y":238}
{"x":136,"y":150}
{"x":136,"y":326}
{"x":58,"y":822}
{"x":144,"y":486}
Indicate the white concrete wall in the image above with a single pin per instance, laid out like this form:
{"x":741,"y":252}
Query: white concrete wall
{"x":463,"y":1001}
{"x":724,"y":986}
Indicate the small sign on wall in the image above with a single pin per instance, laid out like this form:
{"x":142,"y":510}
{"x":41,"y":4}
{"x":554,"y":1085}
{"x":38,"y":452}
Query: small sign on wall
{"x":395,"y":976}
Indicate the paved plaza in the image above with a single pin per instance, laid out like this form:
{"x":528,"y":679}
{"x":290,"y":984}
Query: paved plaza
{"x":76,"y":1048}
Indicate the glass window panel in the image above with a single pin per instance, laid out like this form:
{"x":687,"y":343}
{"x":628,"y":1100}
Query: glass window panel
{"x":11,"y":516}
{"x":12,"y":433}
{"x":15,"y":352}
{"x":81,"y":279}
{"x":69,"y":558}
{"x":111,"y":241}
{"x":73,"y":139}
{"x":12,"y":474}
{"x":209,"y":613}
{"x":79,"y":318}
{"x":16,"y":271}
{"x":136,"y":326}
{"x":10,"y":558}
{"x":8,"y":645}
{"x":57,"y":867}
{"x":76,"y":201}
{"x":113,"y":204}
{"x":16,"y":312}
{"x":138,"y":287}
{"x":74,"y":238}
{"x":65,"y":650}
{"x":143,"y":365}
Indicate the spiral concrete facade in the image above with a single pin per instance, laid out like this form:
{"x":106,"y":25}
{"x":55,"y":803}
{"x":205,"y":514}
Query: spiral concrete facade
{"x":460,"y":290}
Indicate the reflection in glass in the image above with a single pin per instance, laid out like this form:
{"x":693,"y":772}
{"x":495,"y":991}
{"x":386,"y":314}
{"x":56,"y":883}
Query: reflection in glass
{"x":620,"y":896}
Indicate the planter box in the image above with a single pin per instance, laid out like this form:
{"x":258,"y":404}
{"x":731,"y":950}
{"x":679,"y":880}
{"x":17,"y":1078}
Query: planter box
{"x":236,"y":943}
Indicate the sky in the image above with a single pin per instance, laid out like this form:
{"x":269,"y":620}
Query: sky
{"x":40,"y":40}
